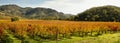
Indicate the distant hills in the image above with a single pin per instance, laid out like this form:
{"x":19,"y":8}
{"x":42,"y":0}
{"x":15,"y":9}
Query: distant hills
{"x":8,"y":11}
{"x":102,"y":13}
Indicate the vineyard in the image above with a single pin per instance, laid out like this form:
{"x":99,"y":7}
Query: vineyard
{"x":40,"y":30}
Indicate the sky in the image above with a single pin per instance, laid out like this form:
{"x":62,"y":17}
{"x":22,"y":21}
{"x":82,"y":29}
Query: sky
{"x":65,"y":6}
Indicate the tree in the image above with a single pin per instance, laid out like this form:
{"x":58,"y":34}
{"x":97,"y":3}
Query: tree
{"x":14,"y":19}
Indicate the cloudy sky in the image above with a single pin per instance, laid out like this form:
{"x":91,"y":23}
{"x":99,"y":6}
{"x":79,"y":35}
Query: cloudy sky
{"x":65,"y":6}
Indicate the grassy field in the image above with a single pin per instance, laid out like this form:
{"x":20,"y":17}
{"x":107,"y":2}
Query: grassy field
{"x":105,"y":38}
{"x":55,"y":31}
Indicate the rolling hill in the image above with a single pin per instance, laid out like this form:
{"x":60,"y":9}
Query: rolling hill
{"x":102,"y":13}
{"x":31,"y":13}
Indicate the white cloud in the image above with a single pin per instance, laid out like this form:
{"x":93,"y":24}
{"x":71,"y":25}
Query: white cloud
{"x":77,"y":6}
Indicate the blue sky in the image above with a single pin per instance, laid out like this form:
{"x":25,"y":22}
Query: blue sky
{"x":23,"y":3}
{"x":65,"y":6}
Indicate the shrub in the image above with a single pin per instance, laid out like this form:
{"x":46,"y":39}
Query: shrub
{"x":14,"y":19}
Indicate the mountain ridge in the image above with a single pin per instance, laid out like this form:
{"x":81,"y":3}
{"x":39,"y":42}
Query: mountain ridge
{"x":102,"y":13}
{"x":32,"y":13}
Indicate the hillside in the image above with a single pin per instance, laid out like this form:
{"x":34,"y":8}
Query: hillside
{"x":102,"y":13}
{"x":31,"y":13}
